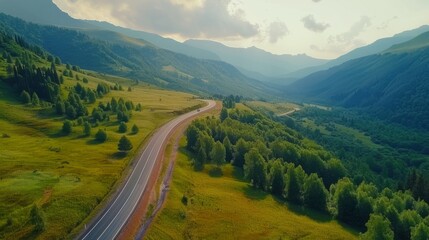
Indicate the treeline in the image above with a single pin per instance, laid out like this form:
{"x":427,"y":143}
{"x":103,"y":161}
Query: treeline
{"x":278,"y":160}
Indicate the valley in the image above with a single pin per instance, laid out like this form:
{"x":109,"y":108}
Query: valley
{"x":189,"y":120}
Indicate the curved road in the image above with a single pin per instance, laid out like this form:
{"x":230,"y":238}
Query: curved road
{"x":110,"y":222}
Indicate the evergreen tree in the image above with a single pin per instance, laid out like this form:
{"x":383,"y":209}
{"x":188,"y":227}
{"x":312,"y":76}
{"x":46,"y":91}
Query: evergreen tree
{"x":60,"y":107}
{"x":92,"y":98}
{"x":218,"y":154}
{"x":35,"y":99}
{"x":101,"y":136}
{"x":71,"y":112}
{"x":134,"y":129}
{"x":67,"y":127}
{"x":25,"y":96}
{"x":223,"y":114}
{"x":123,"y":127}
{"x":124,"y":144}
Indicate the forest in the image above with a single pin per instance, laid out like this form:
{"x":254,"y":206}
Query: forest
{"x":281,"y":161}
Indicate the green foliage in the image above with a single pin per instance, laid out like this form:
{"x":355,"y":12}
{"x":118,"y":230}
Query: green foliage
{"x":86,"y":129}
{"x":420,"y":232}
{"x":200,"y":160}
{"x":241,"y":148}
{"x":134,"y":129}
{"x":346,"y":201}
{"x":122,"y":127}
{"x":37,"y":219}
{"x":294,"y":185}
{"x":315,"y":195}
{"x":124,"y":144}
{"x":67,"y":127}
{"x":223,"y":114}
{"x":25,"y":96}
{"x":378,"y":228}
{"x":60,"y":108}
{"x":101,"y":135}
{"x":277,"y":179}
{"x":35,"y":99}
{"x":255,"y":169}
{"x":228,"y":149}
{"x":218,"y":154}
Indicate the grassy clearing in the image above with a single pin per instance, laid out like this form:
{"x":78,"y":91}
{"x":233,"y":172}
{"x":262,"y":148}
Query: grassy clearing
{"x":223,"y":207}
{"x":275,"y":108}
{"x":67,"y":176}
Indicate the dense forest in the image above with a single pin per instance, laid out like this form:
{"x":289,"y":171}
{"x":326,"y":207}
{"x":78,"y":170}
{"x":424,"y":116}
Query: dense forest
{"x":281,"y":161}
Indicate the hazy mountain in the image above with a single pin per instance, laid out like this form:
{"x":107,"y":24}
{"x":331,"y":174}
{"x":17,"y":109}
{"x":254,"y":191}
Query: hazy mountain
{"x":114,"y":53}
{"x":45,"y":12}
{"x":392,"y":85}
{"x":374,"y":48}
{"x":256,"y":62}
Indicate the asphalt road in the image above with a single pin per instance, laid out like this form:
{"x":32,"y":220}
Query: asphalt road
{"x":110,"y":222}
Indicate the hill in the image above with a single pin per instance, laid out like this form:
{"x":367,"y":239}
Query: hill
{"x":254,"y":61}
{"x":393,"y":85}
{"x":373,"y":48}
{"x":117,"y":54}
{"x":52,"y":181}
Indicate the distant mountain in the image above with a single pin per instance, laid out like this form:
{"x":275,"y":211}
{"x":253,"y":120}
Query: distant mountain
{"x":45,"y":12}
{"x":393,"y":85}
{"x":159,"y":41}
{"x":114,"y":53}
{"x":256,"y":62}
{"x":374,"y":48}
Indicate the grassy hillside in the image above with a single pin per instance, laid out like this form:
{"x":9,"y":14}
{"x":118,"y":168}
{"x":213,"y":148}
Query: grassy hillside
{"x":228,"y":208}
{"x":67,"y":177}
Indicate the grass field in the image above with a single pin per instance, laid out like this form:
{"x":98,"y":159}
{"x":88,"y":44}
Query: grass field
{"x":68,"y":176}
{"x":275,"y":108}
{"x":224,"y":207}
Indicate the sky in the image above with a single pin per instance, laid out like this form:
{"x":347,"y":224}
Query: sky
{"x":319,"y":28}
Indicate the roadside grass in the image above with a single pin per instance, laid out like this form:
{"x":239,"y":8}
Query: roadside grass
{"x":199,"y":206}
{"x":68,"y":176}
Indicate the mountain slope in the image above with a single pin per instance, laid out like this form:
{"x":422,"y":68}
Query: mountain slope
{"x":45,"y":12}
{"x":41,"y":12}
{"x":393,"y":85}
{"x":257,"y":60}
{"x":137,"y":59}
{"x":374,"y":48}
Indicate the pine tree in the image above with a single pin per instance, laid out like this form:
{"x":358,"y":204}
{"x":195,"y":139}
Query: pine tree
{"x":124,"y":144}
{"x":123,"y":127}
{"x":35,"y":99}
{"x":25,"y":96}
{"x":67,"y":127}
{"x":101,"y":136}
{"x":86,"y":129}
{"x":134,"y":129}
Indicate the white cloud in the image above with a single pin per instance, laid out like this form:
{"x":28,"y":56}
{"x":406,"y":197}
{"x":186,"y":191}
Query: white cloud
{"x":277,"y":30}
{"x":186,"y":18}
{"x":311,"y":24}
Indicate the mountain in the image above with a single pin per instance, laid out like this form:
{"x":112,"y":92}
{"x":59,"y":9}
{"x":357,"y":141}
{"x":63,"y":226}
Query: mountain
{"x":117,"y":54}
{"x":45,"y":12}
{"x":393,"y":85}
{"x":254,"y":61}
{"x":374,"y":48}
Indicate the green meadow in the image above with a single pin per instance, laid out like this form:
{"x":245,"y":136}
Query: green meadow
{"x":67,"y":177}
{"x":206,"y":205}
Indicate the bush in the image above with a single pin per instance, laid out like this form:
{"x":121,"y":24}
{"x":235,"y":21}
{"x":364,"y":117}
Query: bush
{"x":67,"y":127}
{"x":134,"y":129}
{"x":123,"y":127}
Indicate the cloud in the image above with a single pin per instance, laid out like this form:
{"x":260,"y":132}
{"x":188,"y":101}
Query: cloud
{"x":277,"y":30}
{"x":346,"y":41}
{"x":316,"y":1}
{"x":311,"y":24}
{"x":355,"y":30}
{"x":186,"y":18}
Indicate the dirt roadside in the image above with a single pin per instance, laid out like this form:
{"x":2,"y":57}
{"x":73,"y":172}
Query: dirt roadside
{"x":137,"y":224}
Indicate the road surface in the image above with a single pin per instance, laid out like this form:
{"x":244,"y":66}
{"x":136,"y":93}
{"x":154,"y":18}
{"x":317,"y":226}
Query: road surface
{"x":289,"y":113}
{"x":110,"y":222}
